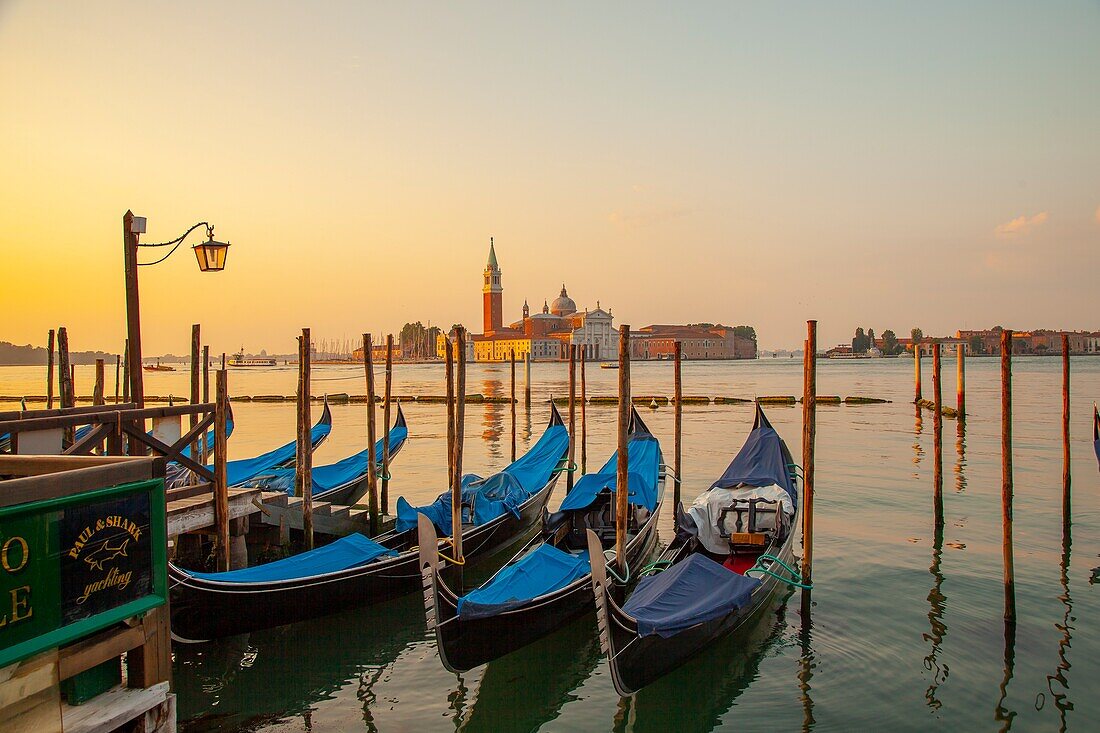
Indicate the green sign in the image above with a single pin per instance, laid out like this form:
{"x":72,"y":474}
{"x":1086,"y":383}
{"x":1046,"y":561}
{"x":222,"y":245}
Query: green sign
{"x":72,"y":566}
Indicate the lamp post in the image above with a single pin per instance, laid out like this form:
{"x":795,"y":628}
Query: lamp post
{"x":211,"y":258}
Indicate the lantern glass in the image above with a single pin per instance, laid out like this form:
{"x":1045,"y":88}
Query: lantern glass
{"x":211,"y":255}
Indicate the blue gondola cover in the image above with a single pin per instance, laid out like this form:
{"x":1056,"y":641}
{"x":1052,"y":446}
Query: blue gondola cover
{"x":237,"y":472}
{"x":542,"y":571}
{"x":346,"y":552}
{"x":643,"y":464}
{"x":498,"y":494}
{"x":692,"y":591}
{"x":760,"y":462}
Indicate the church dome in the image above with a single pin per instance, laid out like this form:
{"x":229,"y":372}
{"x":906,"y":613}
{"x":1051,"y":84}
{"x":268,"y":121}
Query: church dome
{"x":563,"y":305}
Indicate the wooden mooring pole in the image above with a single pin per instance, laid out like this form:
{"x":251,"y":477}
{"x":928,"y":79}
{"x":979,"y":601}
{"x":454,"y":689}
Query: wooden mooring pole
{"x":49,"y":371}
{"x":303,"y":458}
{"x":622,"y":507}
{"x":118,"y":372}
{"x":205,"y":398}
{"x":512,"y":402}
{"x":64,"y":379}
{"x":1065,"y":438}
{"x":450,"y":375}
{"x":937,"y":436}
{"x":372,"y":470}
{"x":459,"y":431}
{"x":221,"y":484}
{"x":527,"y":380}
{"x":916,"y":368}
{"x":196,"y":344}
{"x":97,"y":390}
{"x":572,"y":417}
{"x":584,"y":415}
{"x":960,"y":382}
{"x":385,"y":494}
{"x":1006,"y":476}
{"x":677,"y":422}
{"x":126,"y":371}
{"x":809,"y":437}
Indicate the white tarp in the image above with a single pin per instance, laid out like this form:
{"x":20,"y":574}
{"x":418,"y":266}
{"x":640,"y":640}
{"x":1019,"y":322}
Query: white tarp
{"x":707,"y":508}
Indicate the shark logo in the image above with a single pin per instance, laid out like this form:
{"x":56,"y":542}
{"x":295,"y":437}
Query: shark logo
{"x":106,"y":552}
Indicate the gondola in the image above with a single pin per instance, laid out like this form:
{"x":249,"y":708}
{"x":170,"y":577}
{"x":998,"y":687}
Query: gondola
{"x":356,"y":571}
{"x":704,"y":584}
{"x":547,"y":583}
{"x":343,"y":482}
{"x":245,"y":469}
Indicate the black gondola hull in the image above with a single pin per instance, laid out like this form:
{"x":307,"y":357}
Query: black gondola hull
{"x":467,"y":643}
{"x":636,"y":661}
{"x":204,"y":610}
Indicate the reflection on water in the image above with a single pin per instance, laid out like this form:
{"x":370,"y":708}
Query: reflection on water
{"x":1003,"y":714}
{"x":937,"y":602}
{"x":960,"y":451}
{"x":806,"y":666}
{"x":918,"y":428}
{"x":1060,"y":697}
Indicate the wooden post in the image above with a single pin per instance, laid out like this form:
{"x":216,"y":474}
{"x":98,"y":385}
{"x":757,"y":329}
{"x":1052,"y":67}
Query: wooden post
{"x":64,"y":379}
{"x":221,"y":484}
{"x":49,"y":371}
{"x":572,"y":416}
{"x":809,"y":436}
{"x":118,"y":372}
{"x":448,"y":359}
{"x":386,"y":427}
{"x":622,"y":507}
{"x":195,"y":350}
{"x":303,"y":459}
{"x":97,"y":391}
{"x":205,"y":397}
{"x":512,"y":402}
{"x":1065,"y":438}
{"x":133,"y":314}
{"x":459,"y":430}
{"x":372,"y":467}
{"x":937,"y":437}
{"x":584,"y":416}
{"x":527,"y":380}
{"x":960,"y":382}
{"x":678,"y":410}
{"x":126,"y":371}
{"x":1006,"y":475}
{"x":916,"y":367}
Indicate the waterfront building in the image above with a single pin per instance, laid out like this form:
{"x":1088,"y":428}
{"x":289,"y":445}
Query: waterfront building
{"x":546,"y":336}
{"x":696,"y":342}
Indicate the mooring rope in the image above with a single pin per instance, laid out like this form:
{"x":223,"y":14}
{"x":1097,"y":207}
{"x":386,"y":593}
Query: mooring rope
{"x":759,"y":567}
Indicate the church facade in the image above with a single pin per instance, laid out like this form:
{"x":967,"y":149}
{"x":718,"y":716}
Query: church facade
{"x":546,"y":336}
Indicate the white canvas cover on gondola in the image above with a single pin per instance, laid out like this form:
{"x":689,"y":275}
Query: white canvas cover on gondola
{"x":707,"y":509}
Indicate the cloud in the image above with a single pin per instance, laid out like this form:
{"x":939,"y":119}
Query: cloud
{"x":1021,"y":225}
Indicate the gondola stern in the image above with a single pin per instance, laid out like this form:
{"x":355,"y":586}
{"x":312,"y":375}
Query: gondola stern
{"x":599,"y":590}
{"x":429,"y":567}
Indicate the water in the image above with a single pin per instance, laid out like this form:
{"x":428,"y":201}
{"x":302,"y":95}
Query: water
{"x":906,"y":626}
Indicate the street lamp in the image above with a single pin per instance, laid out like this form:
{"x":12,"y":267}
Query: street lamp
{"x":211,"y":258}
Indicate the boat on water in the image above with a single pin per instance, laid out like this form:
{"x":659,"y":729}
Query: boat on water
{"x":355,"y":570}
{"x":703,"y":586}
{"x":609,"y":365}
{"x":240,"y":471}
{"x":548,"y":583}
{"x":342,"y":482}
{"x":240,"y":360}
{"x":158,"y":367}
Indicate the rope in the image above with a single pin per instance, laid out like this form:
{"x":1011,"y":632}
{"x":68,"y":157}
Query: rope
{"x":451,"y":542}
{"x":611,"y":568}
{"x":655,"y":567}
{"x":759,"y":567}
{"x":566,"y":469}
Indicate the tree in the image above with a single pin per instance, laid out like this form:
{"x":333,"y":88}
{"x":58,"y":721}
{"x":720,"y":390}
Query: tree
{"x":859,"y":341}
{"x":747,"y":332}
{"x":976,"y":345}
{"x":917,"y":335}
{"x":870,"y":338}
{"x":890,"y":343}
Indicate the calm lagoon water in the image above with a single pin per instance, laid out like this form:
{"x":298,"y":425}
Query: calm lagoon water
{"x":906,"y":629}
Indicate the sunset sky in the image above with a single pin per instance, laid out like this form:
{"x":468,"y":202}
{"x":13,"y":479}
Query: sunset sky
{"x":885,"y":165}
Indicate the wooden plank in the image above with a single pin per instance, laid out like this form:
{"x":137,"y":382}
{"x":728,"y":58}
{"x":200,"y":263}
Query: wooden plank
{"x":67,"y":483}
{"x":30,"y":699}
{"x":90,"y":441}
{"x":151,"y":663}
{"x":97,"y":649}
{"x":191,"y":515}
{"x":39,"y":465}
{"x":113,"y":709}
{"x":336,"y":525}
{"x":54,"y":412}
{"x":205,"y":488}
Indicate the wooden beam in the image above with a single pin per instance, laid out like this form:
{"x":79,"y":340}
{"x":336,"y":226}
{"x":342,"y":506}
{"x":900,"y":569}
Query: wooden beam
{"x":67,"y":483}
{"x":89,"y":652}
{"x":221,"y":483}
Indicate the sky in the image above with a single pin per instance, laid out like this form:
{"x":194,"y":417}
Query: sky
{"x":875,"y":164}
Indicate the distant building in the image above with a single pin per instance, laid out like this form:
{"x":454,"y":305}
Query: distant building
{"x":546,"y":336}
{"x":696,"y":342}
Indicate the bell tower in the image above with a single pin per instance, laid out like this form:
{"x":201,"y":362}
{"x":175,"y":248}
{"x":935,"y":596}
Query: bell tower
{"x":492,"y":293}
